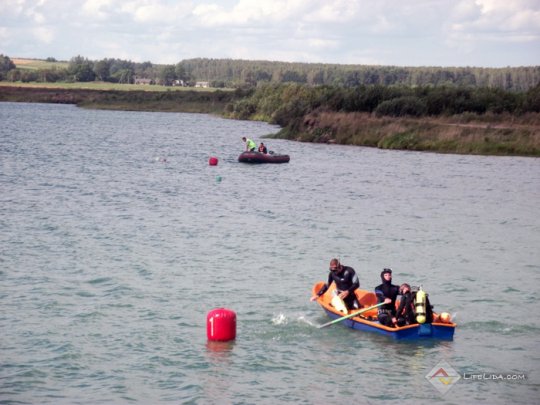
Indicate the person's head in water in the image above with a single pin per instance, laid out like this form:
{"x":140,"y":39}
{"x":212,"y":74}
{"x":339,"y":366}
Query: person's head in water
{"x":386,"y":275}
{"x":244,"y":138}
{"x":335,"y":265}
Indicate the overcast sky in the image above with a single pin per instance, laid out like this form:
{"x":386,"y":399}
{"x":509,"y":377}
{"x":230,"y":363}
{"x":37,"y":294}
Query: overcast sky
{"x":490,"y":33}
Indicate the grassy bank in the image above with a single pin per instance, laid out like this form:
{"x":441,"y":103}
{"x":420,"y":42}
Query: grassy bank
{"x":211,"y":102}
{"x":463,"y":134}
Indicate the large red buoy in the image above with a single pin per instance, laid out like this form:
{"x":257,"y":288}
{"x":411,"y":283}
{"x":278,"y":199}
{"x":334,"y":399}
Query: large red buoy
{"x":213,"y":161}
{"x":221,"y":325}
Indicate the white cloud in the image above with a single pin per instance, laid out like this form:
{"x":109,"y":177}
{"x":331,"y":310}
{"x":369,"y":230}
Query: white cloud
{"x":43,"y":34}
{"x":338,"y":11}
{"x":321,"y":43}
{"x":11,"y":7}
{"x":4,"y":34}
{"x":502,"y":15}
{"x":247,"y":12}
{"x":97,"y":8}
{"x":335,"y":31}
{"x":159,"y":13}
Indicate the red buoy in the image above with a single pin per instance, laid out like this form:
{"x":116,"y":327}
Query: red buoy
{"x":213,"y":161}
{"x":221,"y":325}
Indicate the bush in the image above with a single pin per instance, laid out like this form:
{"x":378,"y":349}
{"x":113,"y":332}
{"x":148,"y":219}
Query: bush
{"x":402,"y":106}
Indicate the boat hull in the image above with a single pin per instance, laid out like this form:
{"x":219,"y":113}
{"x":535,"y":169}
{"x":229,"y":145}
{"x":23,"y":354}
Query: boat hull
{"x":367,"y":321}
{"x":258,"y":157}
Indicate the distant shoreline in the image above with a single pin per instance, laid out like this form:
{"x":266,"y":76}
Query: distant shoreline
{"x":208,"y":102}
{"x":462,"y":134}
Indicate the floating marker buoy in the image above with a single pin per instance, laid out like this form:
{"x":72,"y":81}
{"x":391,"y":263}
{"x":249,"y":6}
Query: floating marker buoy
{"x":221,"y":325}
{"x":213,"y":161}
{"x":445,"y":317}
{"x":218,"y":179}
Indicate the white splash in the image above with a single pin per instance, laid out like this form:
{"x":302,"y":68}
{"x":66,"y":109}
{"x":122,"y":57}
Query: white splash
{"x":279,"y":319}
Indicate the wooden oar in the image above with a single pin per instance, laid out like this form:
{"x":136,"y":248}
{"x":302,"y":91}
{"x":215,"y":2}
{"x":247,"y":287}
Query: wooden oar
{"x":350,"y":315}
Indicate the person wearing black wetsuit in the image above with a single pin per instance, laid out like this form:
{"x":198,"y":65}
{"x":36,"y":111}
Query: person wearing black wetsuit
{"x":346,"y":282}
{"x":387,"y":293}
{"x":405,"y":312}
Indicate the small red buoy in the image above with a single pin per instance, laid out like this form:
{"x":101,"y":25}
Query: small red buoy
{"x":213,"y":161}
{"x":221,"y":325}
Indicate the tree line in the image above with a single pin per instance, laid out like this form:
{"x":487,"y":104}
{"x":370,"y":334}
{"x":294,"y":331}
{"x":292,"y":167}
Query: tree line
{"x":232,"y":73}
{"x":253,"y":73}
{"x":81,"y":69}
{"x":287,"y":104}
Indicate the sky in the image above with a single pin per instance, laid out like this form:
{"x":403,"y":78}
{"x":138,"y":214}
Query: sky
{"x":482,"y":33}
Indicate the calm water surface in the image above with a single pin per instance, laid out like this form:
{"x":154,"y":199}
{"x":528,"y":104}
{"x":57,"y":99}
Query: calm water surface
{"x":117,"y":238}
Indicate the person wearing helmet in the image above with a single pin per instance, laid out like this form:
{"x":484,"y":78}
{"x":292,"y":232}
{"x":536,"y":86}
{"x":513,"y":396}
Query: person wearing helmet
{"x":250,"y":145}
{"x":346,"y":282}
{"x":387,"y":293}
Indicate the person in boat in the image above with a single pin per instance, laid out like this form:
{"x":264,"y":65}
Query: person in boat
{"x":405,"y":313}
{"x":387,"y":293}
{"x":346,"y":282}
{"x":262,"y":148}
{"x":250,"y":145}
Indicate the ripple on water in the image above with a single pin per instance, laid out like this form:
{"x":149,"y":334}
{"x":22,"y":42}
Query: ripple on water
{"x":110,"y":262}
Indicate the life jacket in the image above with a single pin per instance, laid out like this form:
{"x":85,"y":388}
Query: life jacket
{"x":251,"y":144}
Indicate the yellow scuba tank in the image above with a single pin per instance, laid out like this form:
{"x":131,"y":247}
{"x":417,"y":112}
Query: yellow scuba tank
{"x":420,"y":306}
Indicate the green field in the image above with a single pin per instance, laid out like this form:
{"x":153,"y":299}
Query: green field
{"x":35,"y":64}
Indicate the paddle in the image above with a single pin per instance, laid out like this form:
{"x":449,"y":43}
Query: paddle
{"x":350,"y":315}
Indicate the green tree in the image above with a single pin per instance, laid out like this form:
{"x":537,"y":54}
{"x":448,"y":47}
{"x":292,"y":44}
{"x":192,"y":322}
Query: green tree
{"x":123,"y":76}
{"x":6,"y":64}
{"x":14,"y":75}
{"x":167,"y":75}
{"x":532,"y":99}
{"x":80,"y":69}
{"x":102,"y":70}
{"x":181,"y":73}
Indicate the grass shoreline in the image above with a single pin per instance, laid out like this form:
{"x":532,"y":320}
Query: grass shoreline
{"x":502,"y":135}
{"x":462,"y":134}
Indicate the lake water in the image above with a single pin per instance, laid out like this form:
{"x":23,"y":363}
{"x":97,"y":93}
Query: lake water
{"x":117,"y":238}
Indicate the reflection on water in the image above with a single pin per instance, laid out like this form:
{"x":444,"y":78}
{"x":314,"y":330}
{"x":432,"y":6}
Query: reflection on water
{"x":219,"y":350}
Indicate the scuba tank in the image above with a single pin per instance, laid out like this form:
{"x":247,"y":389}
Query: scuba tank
{"x":420,"y":306}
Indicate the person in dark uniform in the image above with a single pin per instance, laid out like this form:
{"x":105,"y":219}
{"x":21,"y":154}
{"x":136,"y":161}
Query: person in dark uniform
{"x":387,"y":293}
{"x":346,"y":282}
{"x":405,"y":312}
